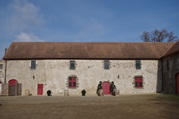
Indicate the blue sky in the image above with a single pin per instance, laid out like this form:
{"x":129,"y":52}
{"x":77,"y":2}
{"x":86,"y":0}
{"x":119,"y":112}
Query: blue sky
{"x":84,"y":20}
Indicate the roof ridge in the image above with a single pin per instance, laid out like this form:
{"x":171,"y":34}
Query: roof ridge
{"x":99,"y":42}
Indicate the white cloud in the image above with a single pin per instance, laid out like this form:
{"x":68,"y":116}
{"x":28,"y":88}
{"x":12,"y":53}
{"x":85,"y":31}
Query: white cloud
{"x":25,"y":15}
{"x":25,"y":37}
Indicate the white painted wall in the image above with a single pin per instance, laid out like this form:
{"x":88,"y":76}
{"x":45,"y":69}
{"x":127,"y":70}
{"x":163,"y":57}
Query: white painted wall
{"x":54,"y":73}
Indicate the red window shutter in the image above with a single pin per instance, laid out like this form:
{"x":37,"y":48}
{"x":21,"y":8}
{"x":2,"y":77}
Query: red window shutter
{"x":138,"y":82}
{"x":72,"y":82}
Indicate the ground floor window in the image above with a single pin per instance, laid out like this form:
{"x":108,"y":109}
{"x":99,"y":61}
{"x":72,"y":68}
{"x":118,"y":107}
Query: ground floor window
{"x":72,"y":82}
{"x":138,"y":82}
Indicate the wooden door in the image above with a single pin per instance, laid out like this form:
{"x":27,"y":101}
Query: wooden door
{"x":40,"y":89}
{"x":177,"y":83}
{"x":12,"y":91}
{"x":106,"y":87}
{"x":19,"y":89}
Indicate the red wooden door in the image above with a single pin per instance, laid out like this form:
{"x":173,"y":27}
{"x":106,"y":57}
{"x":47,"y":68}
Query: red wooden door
{"x":177,"y":83}
{"x":40,"y":89}
{"x":106,"y":87}
{"x":12,"y":87}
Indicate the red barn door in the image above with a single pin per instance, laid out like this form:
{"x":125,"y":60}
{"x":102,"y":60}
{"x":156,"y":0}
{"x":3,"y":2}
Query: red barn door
{"x":177,"y":83}
{"x":12,"y":87}
{"x":106,"y":87}
{"x":40,"y":89}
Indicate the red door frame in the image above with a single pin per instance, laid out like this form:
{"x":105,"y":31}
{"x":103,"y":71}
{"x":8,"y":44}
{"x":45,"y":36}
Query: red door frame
{"x":177,"y":83}
{"x":106,"y":87}
{"x":39,"y":89}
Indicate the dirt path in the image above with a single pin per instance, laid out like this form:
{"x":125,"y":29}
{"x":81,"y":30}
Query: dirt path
{"x":90,"y":107}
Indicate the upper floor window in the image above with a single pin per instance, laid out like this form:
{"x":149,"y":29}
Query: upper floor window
{"x":106,"y":64}
{"x":138,"y":82}
{"x":138,"y":64}
{"x":72,"y":65}
{"x":33,"y":64}
{"x":1,"y":66}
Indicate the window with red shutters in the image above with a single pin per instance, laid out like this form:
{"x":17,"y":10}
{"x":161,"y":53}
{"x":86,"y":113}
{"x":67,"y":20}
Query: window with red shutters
{"x":72,"y":81}
{"x":138,"y":82}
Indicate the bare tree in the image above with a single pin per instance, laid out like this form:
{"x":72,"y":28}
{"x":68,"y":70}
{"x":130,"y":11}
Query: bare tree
{"x":159,"y":36}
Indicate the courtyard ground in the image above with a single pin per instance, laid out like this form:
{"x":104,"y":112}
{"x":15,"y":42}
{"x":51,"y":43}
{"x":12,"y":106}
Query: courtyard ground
{"x":150,"y":106}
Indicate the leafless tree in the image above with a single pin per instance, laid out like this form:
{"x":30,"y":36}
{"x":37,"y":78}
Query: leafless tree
{"x":159,"y":36}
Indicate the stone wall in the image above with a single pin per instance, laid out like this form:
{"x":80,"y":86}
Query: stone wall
{"x":2,"y":70}
{"x":54,"y":73}
{"x":169,"y":73}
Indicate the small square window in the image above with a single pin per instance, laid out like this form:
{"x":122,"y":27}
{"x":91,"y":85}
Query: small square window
{"x":138,"y":64}
{"x":106,"y":64}
{"x":33,"y":64}
{"x":1,"y":66}
{"x":138,"y":82}
{"x":72,"y":65}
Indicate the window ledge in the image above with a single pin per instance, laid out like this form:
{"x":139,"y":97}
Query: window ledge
{"x":139,"y":88}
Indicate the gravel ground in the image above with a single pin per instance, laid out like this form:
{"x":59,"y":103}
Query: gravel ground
{"x":152,"y":106}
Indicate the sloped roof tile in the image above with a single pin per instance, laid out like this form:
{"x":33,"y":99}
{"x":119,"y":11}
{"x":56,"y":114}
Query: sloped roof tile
{"x":86,"y":50}
{"x":172,"y":50}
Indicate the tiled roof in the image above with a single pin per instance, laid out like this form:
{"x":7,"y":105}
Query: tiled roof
{"x":86,"y":50}
{"x":172,"y":50}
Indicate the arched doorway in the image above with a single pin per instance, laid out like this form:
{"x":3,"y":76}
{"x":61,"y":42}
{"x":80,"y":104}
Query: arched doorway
{"x":106,"y":87}
{"x":13,"y":83}
{"x":177,"y":83}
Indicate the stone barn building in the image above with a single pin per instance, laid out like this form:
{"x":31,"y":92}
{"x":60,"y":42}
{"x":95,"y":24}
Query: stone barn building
{"x":2,"y":64}
{"x":135,"y":68}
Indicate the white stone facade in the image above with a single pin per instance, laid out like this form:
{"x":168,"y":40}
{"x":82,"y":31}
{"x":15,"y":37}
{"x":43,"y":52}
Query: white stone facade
{"x":2,"y":70}
{"x":54,"y":74}
{"x":2,"y":74}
